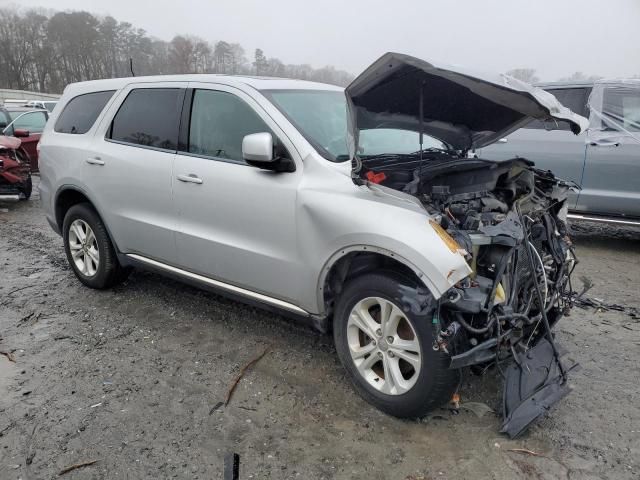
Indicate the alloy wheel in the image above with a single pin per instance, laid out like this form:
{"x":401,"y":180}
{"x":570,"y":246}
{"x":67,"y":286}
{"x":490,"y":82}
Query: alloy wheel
{"x":84,"y":248}
{"x":384,"y":346}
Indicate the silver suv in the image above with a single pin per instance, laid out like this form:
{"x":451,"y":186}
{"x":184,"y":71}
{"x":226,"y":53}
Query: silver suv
{"x":364,"y":213}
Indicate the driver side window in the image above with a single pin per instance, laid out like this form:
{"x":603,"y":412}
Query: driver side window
{"x":219,"y":122}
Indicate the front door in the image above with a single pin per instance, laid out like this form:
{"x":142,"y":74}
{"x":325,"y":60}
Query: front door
{"x":237,"y":222}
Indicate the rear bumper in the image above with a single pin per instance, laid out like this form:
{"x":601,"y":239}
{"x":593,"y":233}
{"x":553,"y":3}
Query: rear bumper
{"x":47,"y":205}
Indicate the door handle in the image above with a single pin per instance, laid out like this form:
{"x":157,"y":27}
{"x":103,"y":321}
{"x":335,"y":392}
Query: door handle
{"x":191,"y":178}
{"x":604,"y":144}
{"x":95,"y":161}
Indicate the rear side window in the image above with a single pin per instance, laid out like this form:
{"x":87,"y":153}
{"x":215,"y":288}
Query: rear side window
{"x":149,"y":117}
{"x":81,"y":112}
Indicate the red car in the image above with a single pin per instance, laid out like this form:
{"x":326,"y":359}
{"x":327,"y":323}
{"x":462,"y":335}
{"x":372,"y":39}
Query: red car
{"x":15,"y":174}
{"x":27,"y":124}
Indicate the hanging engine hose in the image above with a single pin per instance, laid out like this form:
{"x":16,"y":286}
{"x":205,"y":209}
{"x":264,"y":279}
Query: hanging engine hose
{"x":545,"y":320}
{"x":469,"y":328}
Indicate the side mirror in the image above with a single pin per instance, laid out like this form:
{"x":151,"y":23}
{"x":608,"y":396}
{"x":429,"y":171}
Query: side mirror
{"x":259,"y":150}
{"x":21,"y":133}
{"x":258,"y":147}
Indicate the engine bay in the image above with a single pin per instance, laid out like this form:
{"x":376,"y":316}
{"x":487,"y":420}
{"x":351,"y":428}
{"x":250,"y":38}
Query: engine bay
{"x":509,"y":221}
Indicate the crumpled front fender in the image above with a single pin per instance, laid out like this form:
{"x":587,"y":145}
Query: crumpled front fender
{"x":336,"y":220}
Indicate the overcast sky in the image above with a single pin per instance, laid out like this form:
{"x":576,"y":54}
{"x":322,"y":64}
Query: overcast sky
{"x":556,"y":37}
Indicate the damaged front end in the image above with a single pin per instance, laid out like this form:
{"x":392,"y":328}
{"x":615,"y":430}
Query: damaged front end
{"x":508,"y":218}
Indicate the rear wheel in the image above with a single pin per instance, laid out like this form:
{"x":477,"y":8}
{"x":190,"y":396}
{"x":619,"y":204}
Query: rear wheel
{"x":89,"y":249}
{"x":387,"y":349}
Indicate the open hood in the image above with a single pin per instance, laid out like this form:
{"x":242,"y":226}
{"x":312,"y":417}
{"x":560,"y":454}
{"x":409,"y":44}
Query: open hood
{"x":463,"y":109}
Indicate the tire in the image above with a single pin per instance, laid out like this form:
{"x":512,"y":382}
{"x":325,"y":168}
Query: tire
{"x":100,"y":274}
{"x":419,"y":390}
{"x":27,"y":188}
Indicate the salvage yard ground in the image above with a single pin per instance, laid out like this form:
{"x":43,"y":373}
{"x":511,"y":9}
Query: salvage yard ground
{"x":130,"y":378}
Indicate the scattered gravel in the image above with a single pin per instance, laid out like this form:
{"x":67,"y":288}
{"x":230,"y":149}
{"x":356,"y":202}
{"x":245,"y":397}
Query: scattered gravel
{"x":130,"y":378}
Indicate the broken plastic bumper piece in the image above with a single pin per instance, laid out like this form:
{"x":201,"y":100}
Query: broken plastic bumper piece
{"x":534,"y":383}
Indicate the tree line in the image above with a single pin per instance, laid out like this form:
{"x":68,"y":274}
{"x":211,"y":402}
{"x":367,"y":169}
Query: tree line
{"x":529,"y":75}
{"x":44,"y":51}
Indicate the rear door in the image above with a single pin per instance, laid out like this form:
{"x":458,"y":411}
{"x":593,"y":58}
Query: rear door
{"x":129,"y":171}
{"x":611,"y":184}
{"x":237,"y":222}
{"x":552,"y":146}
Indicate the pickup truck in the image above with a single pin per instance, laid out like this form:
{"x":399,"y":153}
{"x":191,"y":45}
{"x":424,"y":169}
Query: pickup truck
{"x":604,"y":161}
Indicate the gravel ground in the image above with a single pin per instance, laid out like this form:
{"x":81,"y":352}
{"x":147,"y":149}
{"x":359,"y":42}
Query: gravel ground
{"x":130,"y":378}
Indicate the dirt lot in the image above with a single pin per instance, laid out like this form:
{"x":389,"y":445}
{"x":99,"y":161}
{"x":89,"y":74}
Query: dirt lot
{"x":129,"y":377}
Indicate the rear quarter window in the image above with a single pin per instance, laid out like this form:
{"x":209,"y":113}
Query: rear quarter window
{"x":81,"y":112}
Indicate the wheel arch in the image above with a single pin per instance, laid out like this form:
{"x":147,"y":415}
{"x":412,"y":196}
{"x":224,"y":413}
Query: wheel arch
{"x":69,"y":195}
{"x":353,"y":261}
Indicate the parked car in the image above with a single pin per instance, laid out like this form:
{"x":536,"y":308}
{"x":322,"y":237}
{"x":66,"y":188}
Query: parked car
{"x":15,"y":174}
{"x":48,"y":105}
{"x":604,"y":162}
{"x":420,"y":259}
{"x":27,"y":124}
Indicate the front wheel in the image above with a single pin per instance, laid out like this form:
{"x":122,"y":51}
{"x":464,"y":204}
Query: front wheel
{"x":387,"y":348}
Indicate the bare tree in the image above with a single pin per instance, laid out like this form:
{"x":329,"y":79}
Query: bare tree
{"x":525,"y":74}
{"x":260,"y":62}
{"x":580,"y":77}
{"x":46,"y":50}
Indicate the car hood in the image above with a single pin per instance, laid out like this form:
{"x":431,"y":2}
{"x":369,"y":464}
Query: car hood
{"x":463,"y":109}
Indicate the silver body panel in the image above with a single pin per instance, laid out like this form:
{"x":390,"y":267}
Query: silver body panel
{"x":272,"y":235}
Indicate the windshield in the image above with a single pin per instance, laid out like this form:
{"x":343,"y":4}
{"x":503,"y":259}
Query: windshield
{"x":321,"y":117}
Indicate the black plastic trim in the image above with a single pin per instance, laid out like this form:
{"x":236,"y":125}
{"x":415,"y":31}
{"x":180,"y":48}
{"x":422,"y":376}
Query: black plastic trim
{"x":185,"y":120}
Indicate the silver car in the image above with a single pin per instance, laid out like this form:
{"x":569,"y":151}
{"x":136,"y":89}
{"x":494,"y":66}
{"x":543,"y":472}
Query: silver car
{"x":603,"y":161}
{"x":363,"y":212}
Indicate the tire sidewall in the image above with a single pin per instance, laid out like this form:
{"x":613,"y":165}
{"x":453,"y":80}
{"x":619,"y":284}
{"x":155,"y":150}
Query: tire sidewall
{"x":425,"y":393}
{"x":88,"y":215}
